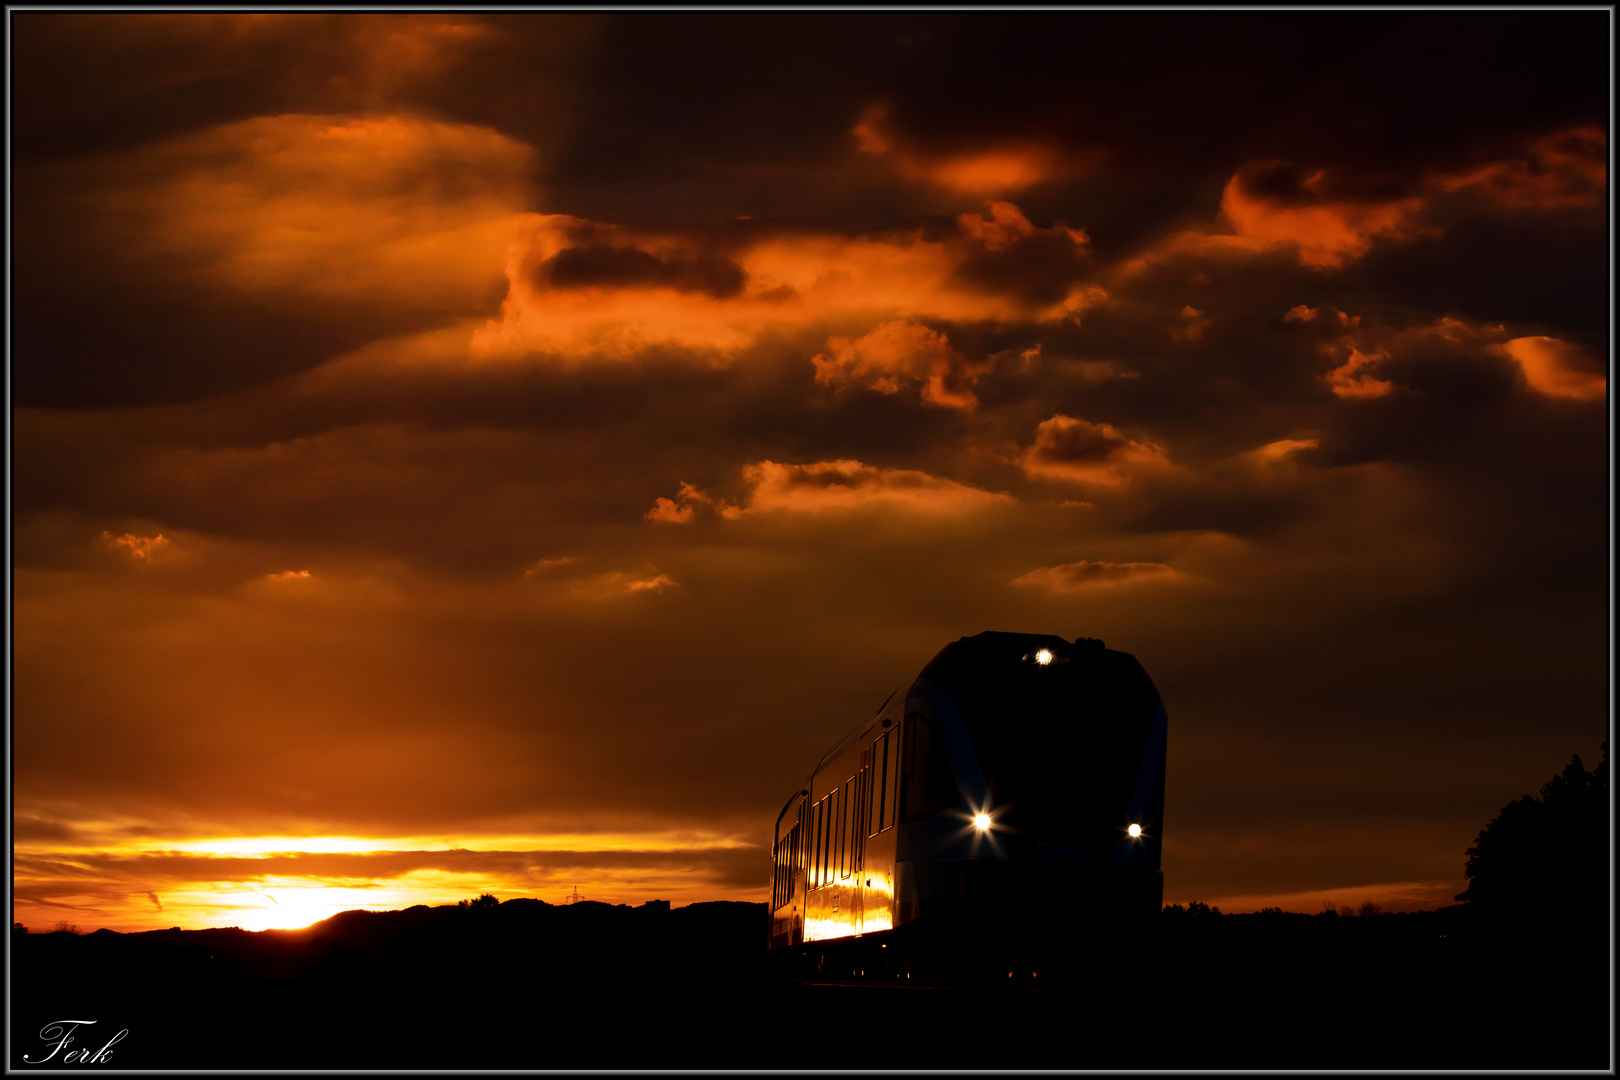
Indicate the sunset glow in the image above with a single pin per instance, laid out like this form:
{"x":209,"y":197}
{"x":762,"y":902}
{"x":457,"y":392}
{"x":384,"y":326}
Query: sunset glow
{"x":502,"y":453}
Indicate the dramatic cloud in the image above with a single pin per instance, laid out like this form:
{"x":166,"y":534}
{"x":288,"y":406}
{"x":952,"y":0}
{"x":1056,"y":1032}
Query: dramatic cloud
{"x":594,"y":289}
{"x":1556,"y":368}
{"x":850,"y":485}
{"x":1081,"y":452}
{"x":1354,"y":378}
{"x":992,"y":170}
{"x":683,"y":508}
{"x":901,"y":351}
{"x":1083,"y":576}
{"x":436,"y":436}
{"x":381,"y":209}
{"x":1564,"y":169}
{"x":1275,"y":203}
{"x":138,"y":547}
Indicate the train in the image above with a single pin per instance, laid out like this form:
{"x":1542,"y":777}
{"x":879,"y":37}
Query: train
{"x":1003,"y":814}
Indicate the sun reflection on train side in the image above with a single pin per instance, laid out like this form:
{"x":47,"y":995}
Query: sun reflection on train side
{"x":878,"y":920}
{"x":828,"y":929}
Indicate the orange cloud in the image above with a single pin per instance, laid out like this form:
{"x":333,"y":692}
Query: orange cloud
{"x":616,"y":584}
{"x":1565,"y":169}
{"x":1085,"y":453}
{"x":288,"y":575}
{"x":669,"y":512}
{"x":661,"y":290}
{"x":1556,"y":368}
{"x":1550,"y":366}
{"x":1328,"y":223}
{"x":139,"y":547}
{"x":851,"y":485}
{"x":682,"y":509}
{"x":385,"y":209}
{"x":1354,"y":379}
{"x":1191,"y":326}
{"x":1269,"y":203}
{"x":989,"y":171}
{"x":1083,"y":576}
{"x":1006,"y":225}
{"x":1281,"y":449}
{"x":829,"y":486}
{"x":1339,"y":337}
{"x":902,"y":350}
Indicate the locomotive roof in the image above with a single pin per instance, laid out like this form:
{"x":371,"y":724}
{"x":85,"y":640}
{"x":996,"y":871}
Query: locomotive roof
{"x":998,"y":644}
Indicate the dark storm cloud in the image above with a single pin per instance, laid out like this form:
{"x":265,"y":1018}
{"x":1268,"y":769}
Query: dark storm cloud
{"x":512,"y":426}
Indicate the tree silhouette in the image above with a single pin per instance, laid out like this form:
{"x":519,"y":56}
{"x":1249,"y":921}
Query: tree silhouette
{"x":1196,"y":908}
{"x":1546,"y":855}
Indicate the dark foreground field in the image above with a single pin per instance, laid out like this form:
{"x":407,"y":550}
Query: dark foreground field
{"x":529,"y":986}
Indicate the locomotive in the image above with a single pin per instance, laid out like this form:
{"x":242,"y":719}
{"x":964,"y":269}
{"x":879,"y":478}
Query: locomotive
{"x":1001,"y":815}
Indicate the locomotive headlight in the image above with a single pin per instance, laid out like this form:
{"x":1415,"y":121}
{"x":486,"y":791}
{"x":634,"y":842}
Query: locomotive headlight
{"x":1134,"y":831}
{"x":981,"y":821}
{"x":1043,"y":657}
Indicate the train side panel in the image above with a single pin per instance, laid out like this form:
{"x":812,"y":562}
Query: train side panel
{"x":834,"y":871}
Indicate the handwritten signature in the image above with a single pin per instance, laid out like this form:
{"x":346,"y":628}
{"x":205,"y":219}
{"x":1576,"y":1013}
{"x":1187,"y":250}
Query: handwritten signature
{"x":58,"y":1034}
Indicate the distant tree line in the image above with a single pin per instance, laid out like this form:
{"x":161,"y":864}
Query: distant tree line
{"x":1544,"y":857}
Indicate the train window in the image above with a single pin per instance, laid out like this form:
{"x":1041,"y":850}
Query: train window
{"x":877,"y":785}
{"x":831,"y":873}
{"x":786,"y":857}
{"x":810,"y":846}
{"x":843,"y":828}
{"x":822,"y":831}
{"x":829,"y":842}
{"x":891,"y":777}
{"x":802,"y":829}
{"x":856,"y":833}
{"x":862,"y":815}
{"x":928,"y":785}
{"x":795,"y":839}
{"x":818,"y":833}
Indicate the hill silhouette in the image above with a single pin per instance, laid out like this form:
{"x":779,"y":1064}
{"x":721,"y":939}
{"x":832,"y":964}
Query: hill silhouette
{"x":529,"y":985}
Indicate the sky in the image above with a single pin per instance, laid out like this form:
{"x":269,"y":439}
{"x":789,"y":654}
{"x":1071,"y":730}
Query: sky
{"x":500,"y":453}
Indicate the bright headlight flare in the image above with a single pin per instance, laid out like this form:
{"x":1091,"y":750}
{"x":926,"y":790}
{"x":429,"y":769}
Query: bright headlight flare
{"x":981,"y":821}
{"x":1134,"y":831}
{"x":1043,"y":657}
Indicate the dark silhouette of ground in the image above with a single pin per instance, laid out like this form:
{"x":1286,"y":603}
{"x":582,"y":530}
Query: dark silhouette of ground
{"x":529,"y":985}
{"x":1516,"y":977}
